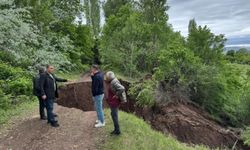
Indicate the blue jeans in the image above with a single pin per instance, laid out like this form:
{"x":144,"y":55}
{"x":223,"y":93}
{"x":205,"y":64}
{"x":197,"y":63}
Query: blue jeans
{"x":49,"y":107}
{"x":98,"y":107}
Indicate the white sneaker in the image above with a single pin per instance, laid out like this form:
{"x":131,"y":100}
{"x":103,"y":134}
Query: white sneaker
{"x":97,"y":121}
{"x":99,"y":125}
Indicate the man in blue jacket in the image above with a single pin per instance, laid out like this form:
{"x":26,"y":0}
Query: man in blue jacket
{"x":98,"y":94}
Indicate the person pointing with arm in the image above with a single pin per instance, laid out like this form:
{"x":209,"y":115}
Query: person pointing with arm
{"x":49,"y":92}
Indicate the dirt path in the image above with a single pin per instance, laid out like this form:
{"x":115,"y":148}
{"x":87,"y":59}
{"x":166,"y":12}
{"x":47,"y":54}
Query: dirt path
{"x":76,"y":131}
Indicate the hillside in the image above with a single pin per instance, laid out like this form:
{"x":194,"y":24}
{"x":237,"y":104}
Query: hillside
{"x":186,"y":87}
{"x":137,"y":134}
{"x":77,"y":132}
{"x":183,"y":119}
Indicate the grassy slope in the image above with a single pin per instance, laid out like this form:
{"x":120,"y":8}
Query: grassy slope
{"x":138,"y":135}
{"x":17,"y":111}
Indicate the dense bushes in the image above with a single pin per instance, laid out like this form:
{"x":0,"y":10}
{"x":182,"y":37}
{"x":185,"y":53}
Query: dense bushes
{"x":143,"y":93}
{"x":5,"y":102}
{"x":14,"y":84}
{"x":242,"y":56}
{"x":246,"y":136}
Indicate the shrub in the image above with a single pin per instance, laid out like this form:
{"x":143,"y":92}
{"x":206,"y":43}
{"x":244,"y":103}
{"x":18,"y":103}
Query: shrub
{"x":14,"y":80}
{"x":208,"y":89}
{"x":246,"y":136}
{"x":176,"y":63}
{"x":8,"y":72}
{"x":20,"y":86}
{"x":144,"y":93}
{"x":5,"y":102}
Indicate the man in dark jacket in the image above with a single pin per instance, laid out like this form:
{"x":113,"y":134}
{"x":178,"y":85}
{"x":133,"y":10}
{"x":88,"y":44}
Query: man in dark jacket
{"x":98,"y":94}
{"x":48,"y":82}
{"x":37,"y":92}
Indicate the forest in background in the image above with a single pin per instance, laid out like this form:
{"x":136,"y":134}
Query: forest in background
{"x":136,"y":39}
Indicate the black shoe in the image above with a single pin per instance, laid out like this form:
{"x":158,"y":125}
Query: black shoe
{"x":43,"y":118}
{"x":115,"y":133}
{"x":112,"y":133}
{"x":55,"y":115}
{"x":54,"y":124}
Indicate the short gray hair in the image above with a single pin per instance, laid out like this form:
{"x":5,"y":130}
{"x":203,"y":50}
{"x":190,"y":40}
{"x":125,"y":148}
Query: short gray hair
{"x":95,"y":66}
{"x":110,"y":75}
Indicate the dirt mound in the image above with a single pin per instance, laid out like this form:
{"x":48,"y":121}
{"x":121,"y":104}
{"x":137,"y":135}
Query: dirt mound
{"x":77,"y":95}
{"x":193,"y":125}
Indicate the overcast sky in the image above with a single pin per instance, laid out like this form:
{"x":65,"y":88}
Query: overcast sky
{"x":229,"y":17}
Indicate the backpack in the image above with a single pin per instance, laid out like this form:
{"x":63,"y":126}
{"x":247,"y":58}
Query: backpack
{"x":37,"y":82}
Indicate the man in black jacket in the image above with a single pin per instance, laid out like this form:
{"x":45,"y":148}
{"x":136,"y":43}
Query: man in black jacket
{"x":49,"y":92}
{"x":37,"y":92}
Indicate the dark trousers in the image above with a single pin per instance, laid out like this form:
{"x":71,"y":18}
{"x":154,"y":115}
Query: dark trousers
{"x":41,"y":107}
{"x":49,"y":107}
{"x":114,"y":115}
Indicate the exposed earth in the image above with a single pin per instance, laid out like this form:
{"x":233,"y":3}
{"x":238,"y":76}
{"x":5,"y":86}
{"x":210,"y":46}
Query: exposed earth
{"x":182,"y":119}
{"x":76,"y":131}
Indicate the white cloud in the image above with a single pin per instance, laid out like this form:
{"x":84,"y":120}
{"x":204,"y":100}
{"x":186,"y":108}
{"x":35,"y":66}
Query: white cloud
{"x":229,"y":17}
{"x":238,"y":45}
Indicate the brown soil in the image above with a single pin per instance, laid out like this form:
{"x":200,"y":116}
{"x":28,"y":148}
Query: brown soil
{"x":76,"y":131}
{"x":187,"y":122}
{"x":193,"y":125}
{"x":77,"y":94}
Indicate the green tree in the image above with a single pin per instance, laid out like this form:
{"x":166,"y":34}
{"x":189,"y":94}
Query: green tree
{"x":121,"y":40}
{"x":205,"y":44}
{"x":24,"y":41}
{"x":92,"y":13}
{"x":155,"y":19}
{"x":111,"y":7}
{"x":242,"y":56}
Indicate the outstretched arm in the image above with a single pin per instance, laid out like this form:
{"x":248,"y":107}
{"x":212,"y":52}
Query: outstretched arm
{"x":60,"y":79}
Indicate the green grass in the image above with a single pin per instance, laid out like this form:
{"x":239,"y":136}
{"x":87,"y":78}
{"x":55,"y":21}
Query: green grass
{"x":17,"y":111}
{"x":138,"y":135}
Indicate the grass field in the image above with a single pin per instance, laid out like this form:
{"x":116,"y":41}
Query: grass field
{"x":138,"y":135}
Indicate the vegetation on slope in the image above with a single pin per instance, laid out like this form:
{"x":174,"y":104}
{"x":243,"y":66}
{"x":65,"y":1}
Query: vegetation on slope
{"x":137,"y":134}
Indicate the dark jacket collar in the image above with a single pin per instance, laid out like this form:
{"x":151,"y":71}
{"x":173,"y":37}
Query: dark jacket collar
{"x":48,"y":74}
{"x":97,"y":73}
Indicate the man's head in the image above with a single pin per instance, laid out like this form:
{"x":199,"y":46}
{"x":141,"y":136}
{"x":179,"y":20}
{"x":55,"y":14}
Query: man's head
{"x":94,"y":69}
{"x":50,"y":69}
{"x":41,"y":70}
{"x":110,"y":76}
